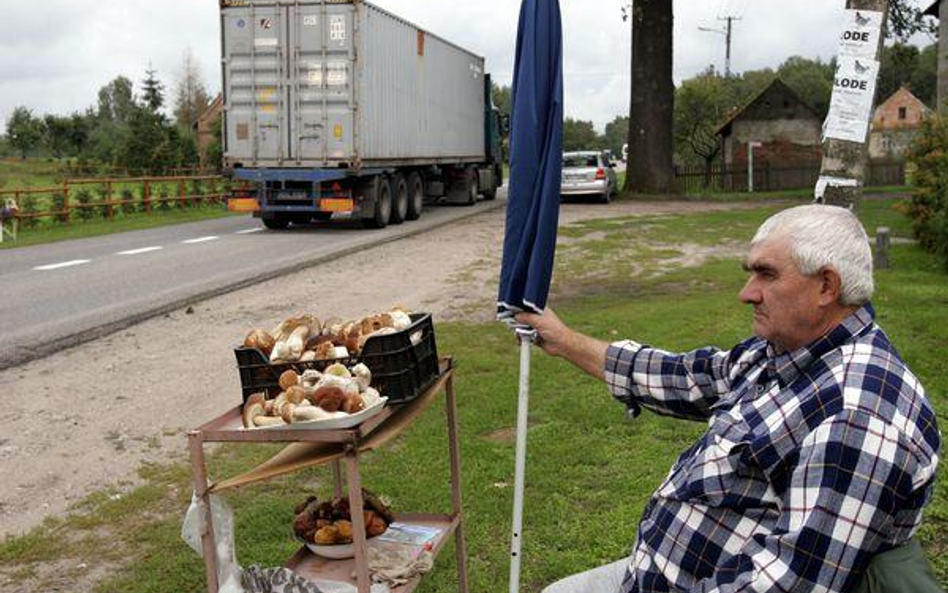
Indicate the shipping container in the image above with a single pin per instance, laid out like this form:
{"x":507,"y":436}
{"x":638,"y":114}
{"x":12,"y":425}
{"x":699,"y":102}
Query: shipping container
{"x":340,"y":109}
{"x":315,"y":83}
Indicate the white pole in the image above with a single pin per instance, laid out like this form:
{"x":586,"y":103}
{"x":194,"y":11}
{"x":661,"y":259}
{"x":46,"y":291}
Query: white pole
{"x":520,"y":460}
{"x":750,"y":165}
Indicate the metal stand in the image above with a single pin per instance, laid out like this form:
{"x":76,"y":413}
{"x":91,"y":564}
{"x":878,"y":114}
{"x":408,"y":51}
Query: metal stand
{"x":528,"y":337}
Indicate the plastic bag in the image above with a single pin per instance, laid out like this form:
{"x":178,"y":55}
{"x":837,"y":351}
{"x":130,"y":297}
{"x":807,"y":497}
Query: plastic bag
{"x":222,"y":516}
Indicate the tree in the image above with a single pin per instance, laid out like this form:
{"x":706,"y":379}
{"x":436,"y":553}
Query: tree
{"x":56,"y":134}
{"x":117,"y":101}
{"x":153,"y":92}
{"x":924,"y":80}
{"x":701,"y":104}
{"x":651,"y":111}
{"x":579,"y":135}
{"x":616,"y":134}
{"x":24,"y":131}
{"x":191,"y":98}
{"x":80,"y":126}
{"x":501,"y":98}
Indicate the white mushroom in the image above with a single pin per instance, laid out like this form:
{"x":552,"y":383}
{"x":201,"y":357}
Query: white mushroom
{"x":253,"y":407}
{"x":363,"y":376}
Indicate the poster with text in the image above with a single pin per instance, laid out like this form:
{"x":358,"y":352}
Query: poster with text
{"x":851,"y":105}
{"x":861,"y":32}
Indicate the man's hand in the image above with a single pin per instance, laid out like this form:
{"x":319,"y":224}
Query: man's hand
{"x":553,"y":334}
{"x":557,"y":339}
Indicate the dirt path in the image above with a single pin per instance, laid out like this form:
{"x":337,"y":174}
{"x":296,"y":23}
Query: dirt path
{"x":87,"y":417}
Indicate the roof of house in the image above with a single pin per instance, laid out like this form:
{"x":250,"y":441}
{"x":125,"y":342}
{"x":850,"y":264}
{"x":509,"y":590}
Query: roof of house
{"x":776,"y":85}
{"x":902,"y":96}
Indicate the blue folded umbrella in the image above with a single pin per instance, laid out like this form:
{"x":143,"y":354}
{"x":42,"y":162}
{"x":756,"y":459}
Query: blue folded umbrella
{"x":536,"y":154}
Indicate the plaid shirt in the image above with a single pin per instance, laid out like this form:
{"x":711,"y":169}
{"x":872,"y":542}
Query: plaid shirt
{"x":813,"y":461}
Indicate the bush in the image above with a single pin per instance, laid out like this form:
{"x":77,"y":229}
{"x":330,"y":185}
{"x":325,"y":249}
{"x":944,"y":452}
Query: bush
{"x":59,"y":205}
{"x":129,"y":205}
{"x":28,"y":205}
{"x":84,"y":198}
{"x":929,"y":206}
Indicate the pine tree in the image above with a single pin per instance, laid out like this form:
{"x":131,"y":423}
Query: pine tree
{"x":191,"y":98}
{"x":153,"y":92}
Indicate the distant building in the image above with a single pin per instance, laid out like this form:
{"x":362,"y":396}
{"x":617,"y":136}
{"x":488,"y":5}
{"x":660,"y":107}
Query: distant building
{"x":789,"y":131}
{"x":895,"y":125}
{"x":940,"y":10}
{"x":205,"y":124}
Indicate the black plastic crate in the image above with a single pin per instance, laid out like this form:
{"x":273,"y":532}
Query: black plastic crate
{"x":403,"y":364}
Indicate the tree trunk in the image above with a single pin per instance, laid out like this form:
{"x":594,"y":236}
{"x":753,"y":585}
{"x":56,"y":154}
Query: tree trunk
{"x":845,"y":159}
{"x":653,"y":99}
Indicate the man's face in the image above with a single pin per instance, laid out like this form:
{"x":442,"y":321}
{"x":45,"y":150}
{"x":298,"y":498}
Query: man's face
{"x":786,"y":303}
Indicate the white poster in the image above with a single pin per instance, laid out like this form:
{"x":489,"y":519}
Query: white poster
{"x":861,"y":32}
{"x":851,"y":106}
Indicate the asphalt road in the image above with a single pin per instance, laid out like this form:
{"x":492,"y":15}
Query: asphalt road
{"x":62,"y":294}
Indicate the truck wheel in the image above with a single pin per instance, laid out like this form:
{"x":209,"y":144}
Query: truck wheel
{"x":399,"y":199}
{"x":383,"y":203}
{"x":276,"y":222}
{"x":416,"y":196}
{"x":470,"y":186}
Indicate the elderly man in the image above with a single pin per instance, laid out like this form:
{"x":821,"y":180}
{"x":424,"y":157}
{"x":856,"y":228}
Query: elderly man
{"x":821,"y":446}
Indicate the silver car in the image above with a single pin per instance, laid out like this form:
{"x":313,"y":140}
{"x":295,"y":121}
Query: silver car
{"x":588,"y":173}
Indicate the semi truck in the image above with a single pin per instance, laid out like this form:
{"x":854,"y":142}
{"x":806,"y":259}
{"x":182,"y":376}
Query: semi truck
{"x":338,"y":109}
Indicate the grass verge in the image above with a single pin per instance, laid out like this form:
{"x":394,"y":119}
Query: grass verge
{"x":121,"y":223}
{"x":589,"y":472}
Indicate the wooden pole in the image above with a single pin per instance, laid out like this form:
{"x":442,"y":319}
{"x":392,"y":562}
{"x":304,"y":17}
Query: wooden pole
{"x":844,"y":159}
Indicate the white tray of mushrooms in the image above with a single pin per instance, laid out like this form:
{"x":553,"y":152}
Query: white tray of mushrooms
{"x":338,"y":397}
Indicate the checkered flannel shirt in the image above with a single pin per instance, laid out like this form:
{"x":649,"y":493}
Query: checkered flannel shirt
{"x":814,"y":460}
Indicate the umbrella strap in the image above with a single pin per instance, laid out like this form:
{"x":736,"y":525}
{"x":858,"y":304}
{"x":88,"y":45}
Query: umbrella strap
{"x":520,"y":461}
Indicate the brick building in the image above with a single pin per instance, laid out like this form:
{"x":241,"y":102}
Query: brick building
{"x":788,"y":130}
{"x":895,"y":125}
{"x":940,"y":10}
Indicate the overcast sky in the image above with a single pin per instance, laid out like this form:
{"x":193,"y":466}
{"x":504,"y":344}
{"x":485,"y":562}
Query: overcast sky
{"x":55,"y":54}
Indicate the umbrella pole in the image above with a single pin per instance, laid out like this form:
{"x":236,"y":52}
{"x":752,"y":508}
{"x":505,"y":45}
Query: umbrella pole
{"x":527,"y":338}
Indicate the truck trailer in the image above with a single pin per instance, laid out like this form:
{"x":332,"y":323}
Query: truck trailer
{"x":338,"y":109}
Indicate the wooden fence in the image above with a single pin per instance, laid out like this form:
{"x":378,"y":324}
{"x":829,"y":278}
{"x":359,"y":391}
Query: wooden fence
{"x":91,"y":198}
{"x":697,"y":179}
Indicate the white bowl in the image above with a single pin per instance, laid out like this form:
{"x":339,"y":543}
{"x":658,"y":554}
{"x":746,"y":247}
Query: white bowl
{"x":333,"y":552}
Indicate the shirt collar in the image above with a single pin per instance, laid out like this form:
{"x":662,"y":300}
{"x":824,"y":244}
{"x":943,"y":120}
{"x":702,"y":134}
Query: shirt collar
{"x":787,"y":365}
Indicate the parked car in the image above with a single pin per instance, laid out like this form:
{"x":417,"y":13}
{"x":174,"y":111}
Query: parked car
{"x":588,"y":173}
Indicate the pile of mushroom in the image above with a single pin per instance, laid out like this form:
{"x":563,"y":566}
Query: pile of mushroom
{"x":305,"y":338}
{"x":335,"y":392}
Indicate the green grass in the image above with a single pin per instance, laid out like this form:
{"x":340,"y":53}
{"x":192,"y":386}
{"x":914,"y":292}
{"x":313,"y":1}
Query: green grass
{"x":589,"y":472}
{"x":49,"y":233}
{"x":15,"y":173}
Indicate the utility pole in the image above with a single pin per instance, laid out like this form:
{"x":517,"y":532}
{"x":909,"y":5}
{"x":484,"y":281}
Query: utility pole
{"x":728,"y":35}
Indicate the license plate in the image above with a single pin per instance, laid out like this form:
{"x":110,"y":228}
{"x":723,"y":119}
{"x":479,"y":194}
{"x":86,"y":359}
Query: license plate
{"x":336,"y":205}
{"x":292,"y":195}
{"x":243,"y":205}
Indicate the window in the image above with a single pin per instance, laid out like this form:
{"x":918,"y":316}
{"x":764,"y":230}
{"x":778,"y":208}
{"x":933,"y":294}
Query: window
{"x":902,"y":113}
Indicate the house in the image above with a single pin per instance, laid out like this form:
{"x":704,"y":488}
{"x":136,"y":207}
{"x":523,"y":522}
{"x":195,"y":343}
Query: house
{"x":785,"y":130}
{"x":940,"y":10}
{"x":895,"y":125}
{"x":205,"y":125}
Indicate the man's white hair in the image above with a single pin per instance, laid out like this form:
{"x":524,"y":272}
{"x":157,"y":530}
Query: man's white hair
{"x":826,"y":236}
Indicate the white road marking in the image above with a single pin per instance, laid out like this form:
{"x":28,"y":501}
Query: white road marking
{"x":65,"y":264}
{"x":201,"y":240}
{"x":139,"y":251}
{"x":248,"y":231}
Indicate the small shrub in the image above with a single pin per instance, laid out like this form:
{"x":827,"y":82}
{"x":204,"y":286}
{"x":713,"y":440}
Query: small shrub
{"x":164,"y":205}
{"x":129,"y":204}
{"x":929,"y":206}
{"x":103,"y":196}
{"x":197,"y":190}
{"x":84,"y":198}
{"x":28,"y":205}
{"x":59,"y":205}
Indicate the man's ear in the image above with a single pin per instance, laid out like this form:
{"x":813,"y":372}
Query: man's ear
{"x":831,"y":286}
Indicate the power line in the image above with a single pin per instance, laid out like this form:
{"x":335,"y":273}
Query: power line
{"x":728,"y":35}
